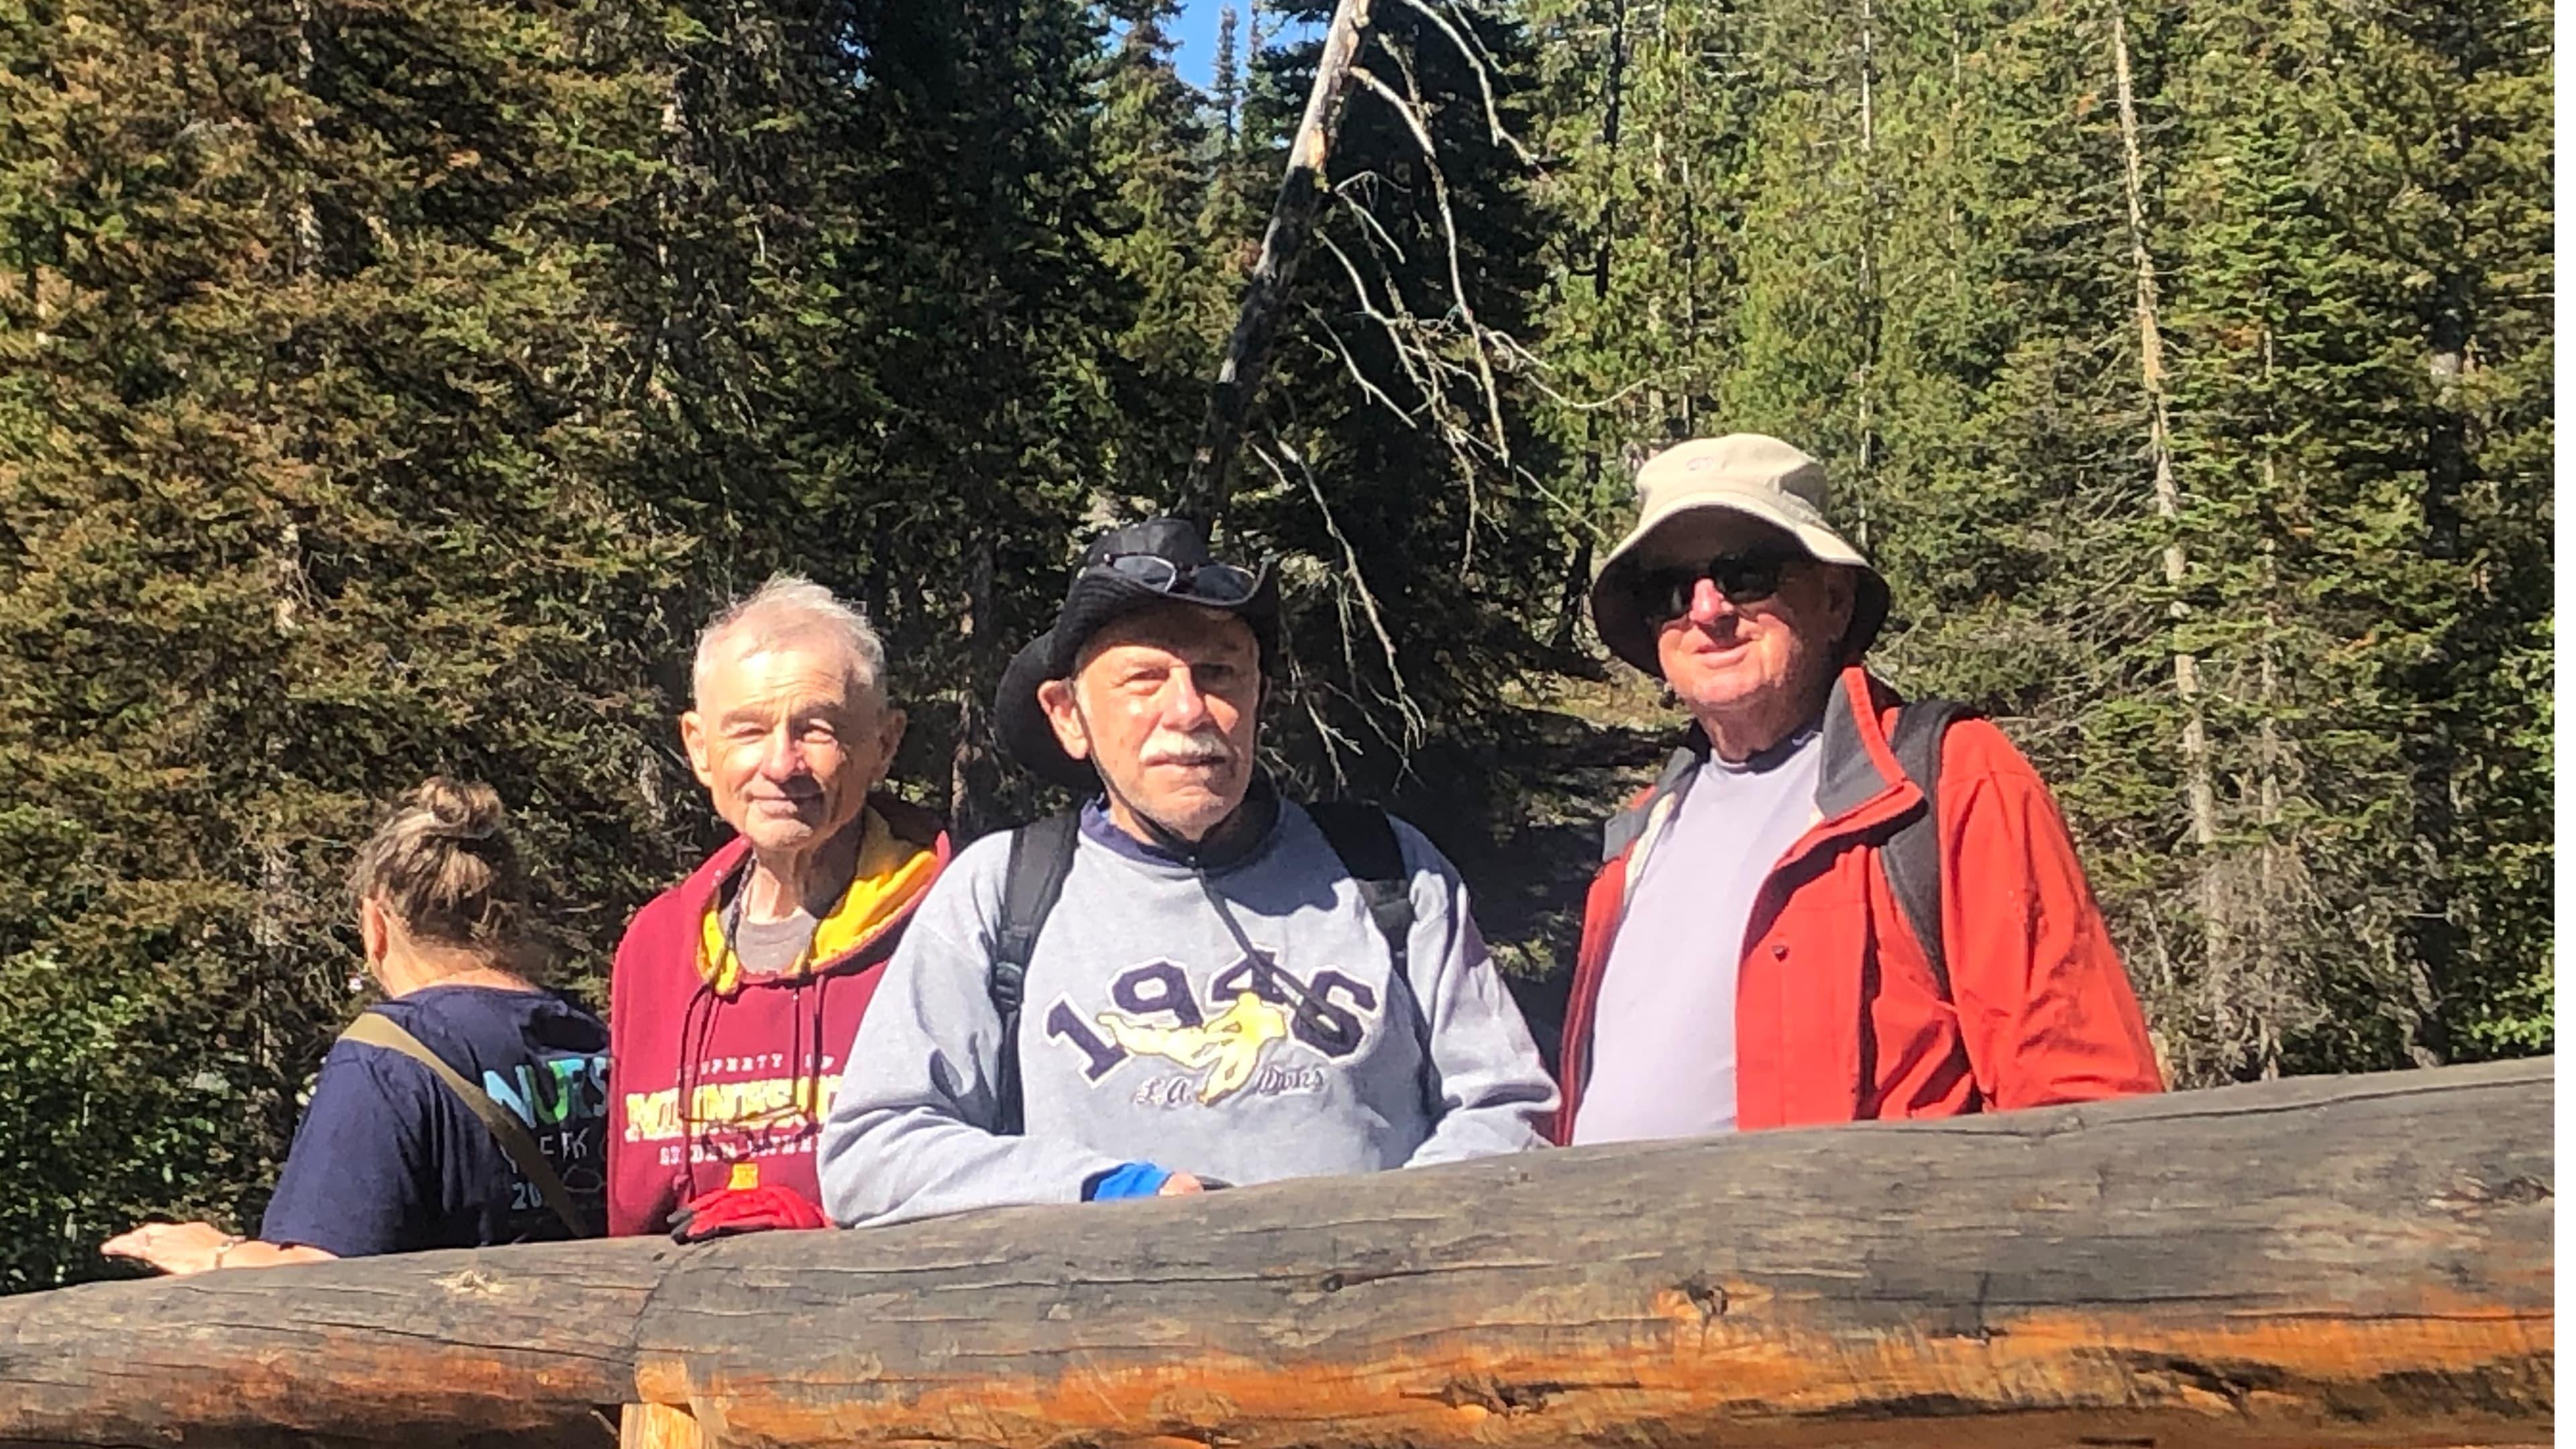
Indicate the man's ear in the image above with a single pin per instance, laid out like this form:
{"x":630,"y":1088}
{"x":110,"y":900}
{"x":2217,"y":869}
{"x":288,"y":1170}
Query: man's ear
{"x":693,"y":738}
{"x":1056,"y":698}
{"x":890,"y":723}
{"x":1842,"y":595}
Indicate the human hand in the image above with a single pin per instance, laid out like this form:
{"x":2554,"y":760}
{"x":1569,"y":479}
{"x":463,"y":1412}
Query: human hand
{"x":1180,"y":1184}
{"x":729,"y":1210}
{"x":175,"y":1248}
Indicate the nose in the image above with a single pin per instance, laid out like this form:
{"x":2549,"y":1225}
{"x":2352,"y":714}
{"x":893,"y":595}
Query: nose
{"x":1708,"y":603}
{"x":779,"y":759}
{"x":1185,"y":706}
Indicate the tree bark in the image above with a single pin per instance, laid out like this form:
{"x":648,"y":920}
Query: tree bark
{"x":1292,"y":218}
{"x":974,"y":771}
{"x":2199,"y":793}
{"x":2310,"y":1262}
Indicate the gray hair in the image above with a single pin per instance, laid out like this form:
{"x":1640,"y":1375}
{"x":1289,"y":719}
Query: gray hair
{"x":787,"y":607}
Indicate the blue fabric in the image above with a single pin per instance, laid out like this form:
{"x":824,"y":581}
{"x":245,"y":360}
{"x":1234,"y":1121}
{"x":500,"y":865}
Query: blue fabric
{"x":388,"y":1160}
{"x":1128,"y":1179}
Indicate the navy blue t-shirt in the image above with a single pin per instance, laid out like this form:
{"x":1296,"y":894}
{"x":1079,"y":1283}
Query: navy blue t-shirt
{"x":388,"y":1160}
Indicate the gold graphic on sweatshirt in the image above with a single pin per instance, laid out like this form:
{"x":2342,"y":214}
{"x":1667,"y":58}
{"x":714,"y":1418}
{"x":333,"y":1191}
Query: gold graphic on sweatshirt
{"x":1229,"y":1045}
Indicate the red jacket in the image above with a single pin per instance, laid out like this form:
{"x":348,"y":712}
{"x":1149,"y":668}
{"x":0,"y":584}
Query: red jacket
{"x":1839,"y":1016}
{"x":755,"y":1059}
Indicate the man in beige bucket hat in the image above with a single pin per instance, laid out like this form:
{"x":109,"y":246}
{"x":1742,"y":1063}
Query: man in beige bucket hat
{"x":1832,"y":905}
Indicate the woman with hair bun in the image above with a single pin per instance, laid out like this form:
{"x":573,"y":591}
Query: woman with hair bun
{"x":467,"y":1109}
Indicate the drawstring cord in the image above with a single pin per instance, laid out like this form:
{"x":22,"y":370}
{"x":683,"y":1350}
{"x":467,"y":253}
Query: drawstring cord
{"x":805,"y":1048}
{"x":1309,"y":1011}
{"x":694,"y":1036}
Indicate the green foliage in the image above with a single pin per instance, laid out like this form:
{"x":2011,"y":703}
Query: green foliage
{"x":394,"y":387}
{"x":316,"y":481}
{"x":1900,"y":235}
{"x":1394,"y":463}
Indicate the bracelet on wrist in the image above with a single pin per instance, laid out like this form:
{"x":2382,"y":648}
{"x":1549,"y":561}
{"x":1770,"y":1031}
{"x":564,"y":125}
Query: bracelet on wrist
{"x":230,"y":1242}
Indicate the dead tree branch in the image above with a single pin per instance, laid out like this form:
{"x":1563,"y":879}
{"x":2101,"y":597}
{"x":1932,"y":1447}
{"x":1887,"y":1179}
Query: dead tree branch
{"x":1292,"y":217}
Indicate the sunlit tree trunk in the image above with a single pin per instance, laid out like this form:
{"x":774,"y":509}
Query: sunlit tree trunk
{"x":2199,"y":795}
{"x":1292,"y":218}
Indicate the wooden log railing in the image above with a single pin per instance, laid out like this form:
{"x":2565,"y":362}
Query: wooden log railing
{"x":2332,"y":1261}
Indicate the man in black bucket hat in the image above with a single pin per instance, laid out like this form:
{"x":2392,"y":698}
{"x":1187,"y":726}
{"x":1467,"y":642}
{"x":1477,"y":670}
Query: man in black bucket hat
{"x":1190,"y":980}
{"x":1155,"y":577}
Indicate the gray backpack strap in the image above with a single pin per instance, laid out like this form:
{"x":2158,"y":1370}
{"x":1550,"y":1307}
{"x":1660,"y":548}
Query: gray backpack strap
{"x":378,"y":1030}
{"x":1041,"y":857}
{"x":1912,"y":856}
{"x":1623,"y":829}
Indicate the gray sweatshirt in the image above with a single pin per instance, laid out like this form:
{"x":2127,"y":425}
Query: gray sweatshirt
{"x":1147,"y":1037}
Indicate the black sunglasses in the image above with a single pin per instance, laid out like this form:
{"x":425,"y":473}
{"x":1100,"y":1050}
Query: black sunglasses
{"x":1216,"y":583}
{"x":1745,"y":578}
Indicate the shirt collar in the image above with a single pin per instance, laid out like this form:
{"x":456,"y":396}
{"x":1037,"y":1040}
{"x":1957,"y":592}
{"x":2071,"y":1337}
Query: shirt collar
{"x":1237,"y":840}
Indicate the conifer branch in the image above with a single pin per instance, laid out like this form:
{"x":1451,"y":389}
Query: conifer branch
{"x":1481,"y":66}
{"x":1410,"y":108}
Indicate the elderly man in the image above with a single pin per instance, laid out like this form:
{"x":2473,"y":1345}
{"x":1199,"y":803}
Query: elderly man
{"x":737,"y":991}
{"x":1832,"y":906}
{"x":1220,"y":985}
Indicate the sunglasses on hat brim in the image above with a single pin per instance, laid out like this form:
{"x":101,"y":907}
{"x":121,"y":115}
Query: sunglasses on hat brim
{"x":1665,"y":594}
{"x":1211,"y":583}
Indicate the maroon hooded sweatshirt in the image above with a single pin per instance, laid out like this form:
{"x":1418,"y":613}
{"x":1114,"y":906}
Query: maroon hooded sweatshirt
{"x":710,"y":1067}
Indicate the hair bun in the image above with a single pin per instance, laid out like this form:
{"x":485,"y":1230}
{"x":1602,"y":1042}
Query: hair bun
{"x":444,"y":863}
{"x":458,"y":810}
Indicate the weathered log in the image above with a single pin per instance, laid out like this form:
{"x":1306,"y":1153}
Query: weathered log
{"x":2360,"y":1260}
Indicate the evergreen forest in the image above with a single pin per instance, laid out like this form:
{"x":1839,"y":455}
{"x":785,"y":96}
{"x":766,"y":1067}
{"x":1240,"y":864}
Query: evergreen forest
{"x":396,"y":386}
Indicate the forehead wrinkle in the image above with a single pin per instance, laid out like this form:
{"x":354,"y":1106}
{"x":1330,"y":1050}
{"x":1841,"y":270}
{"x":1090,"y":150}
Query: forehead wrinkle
{"x":1190,"y":632}
{"x":801,"y":685}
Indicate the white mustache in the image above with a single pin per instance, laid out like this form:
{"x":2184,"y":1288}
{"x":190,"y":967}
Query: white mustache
{"x":1197,"y":747}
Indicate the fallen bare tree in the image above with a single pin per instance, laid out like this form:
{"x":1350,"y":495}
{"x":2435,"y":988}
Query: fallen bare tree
{"x":2359,"y":1260}
{"x":1292,"y":219}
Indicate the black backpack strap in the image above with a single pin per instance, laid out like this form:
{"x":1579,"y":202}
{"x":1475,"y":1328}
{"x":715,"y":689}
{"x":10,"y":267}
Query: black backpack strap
{"x":1912,"y":856}
{"x":1365,"y":840}
{"x":1041,"y":857}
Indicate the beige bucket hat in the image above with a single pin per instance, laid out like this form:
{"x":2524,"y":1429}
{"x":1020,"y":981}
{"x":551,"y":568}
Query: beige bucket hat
{"x":1748,"y":473}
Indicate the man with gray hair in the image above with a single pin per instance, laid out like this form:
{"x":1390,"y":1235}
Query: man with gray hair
{"x":737,"y":991}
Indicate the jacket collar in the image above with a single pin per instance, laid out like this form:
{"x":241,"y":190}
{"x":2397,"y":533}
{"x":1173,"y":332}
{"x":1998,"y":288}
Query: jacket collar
{"x":1858,"y":766}
{"x":1857,"y":778}
{"x":898,"y":872}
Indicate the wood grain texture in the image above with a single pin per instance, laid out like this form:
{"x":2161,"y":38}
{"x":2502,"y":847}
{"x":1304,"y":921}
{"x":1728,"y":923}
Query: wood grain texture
{"x":658,"y":1426}
{"x":2340,"y":1261}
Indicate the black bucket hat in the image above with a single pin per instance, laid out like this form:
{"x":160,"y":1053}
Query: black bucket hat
{"x":1159,"y":561}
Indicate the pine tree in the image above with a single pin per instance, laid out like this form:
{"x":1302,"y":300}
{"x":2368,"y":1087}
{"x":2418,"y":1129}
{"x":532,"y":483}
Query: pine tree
{"x":2190,"y":400}
{"x":991,"y":333}
{"x":316,"y":466}
{"x":1154,"y":145}
{"x":1393,"y":455}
